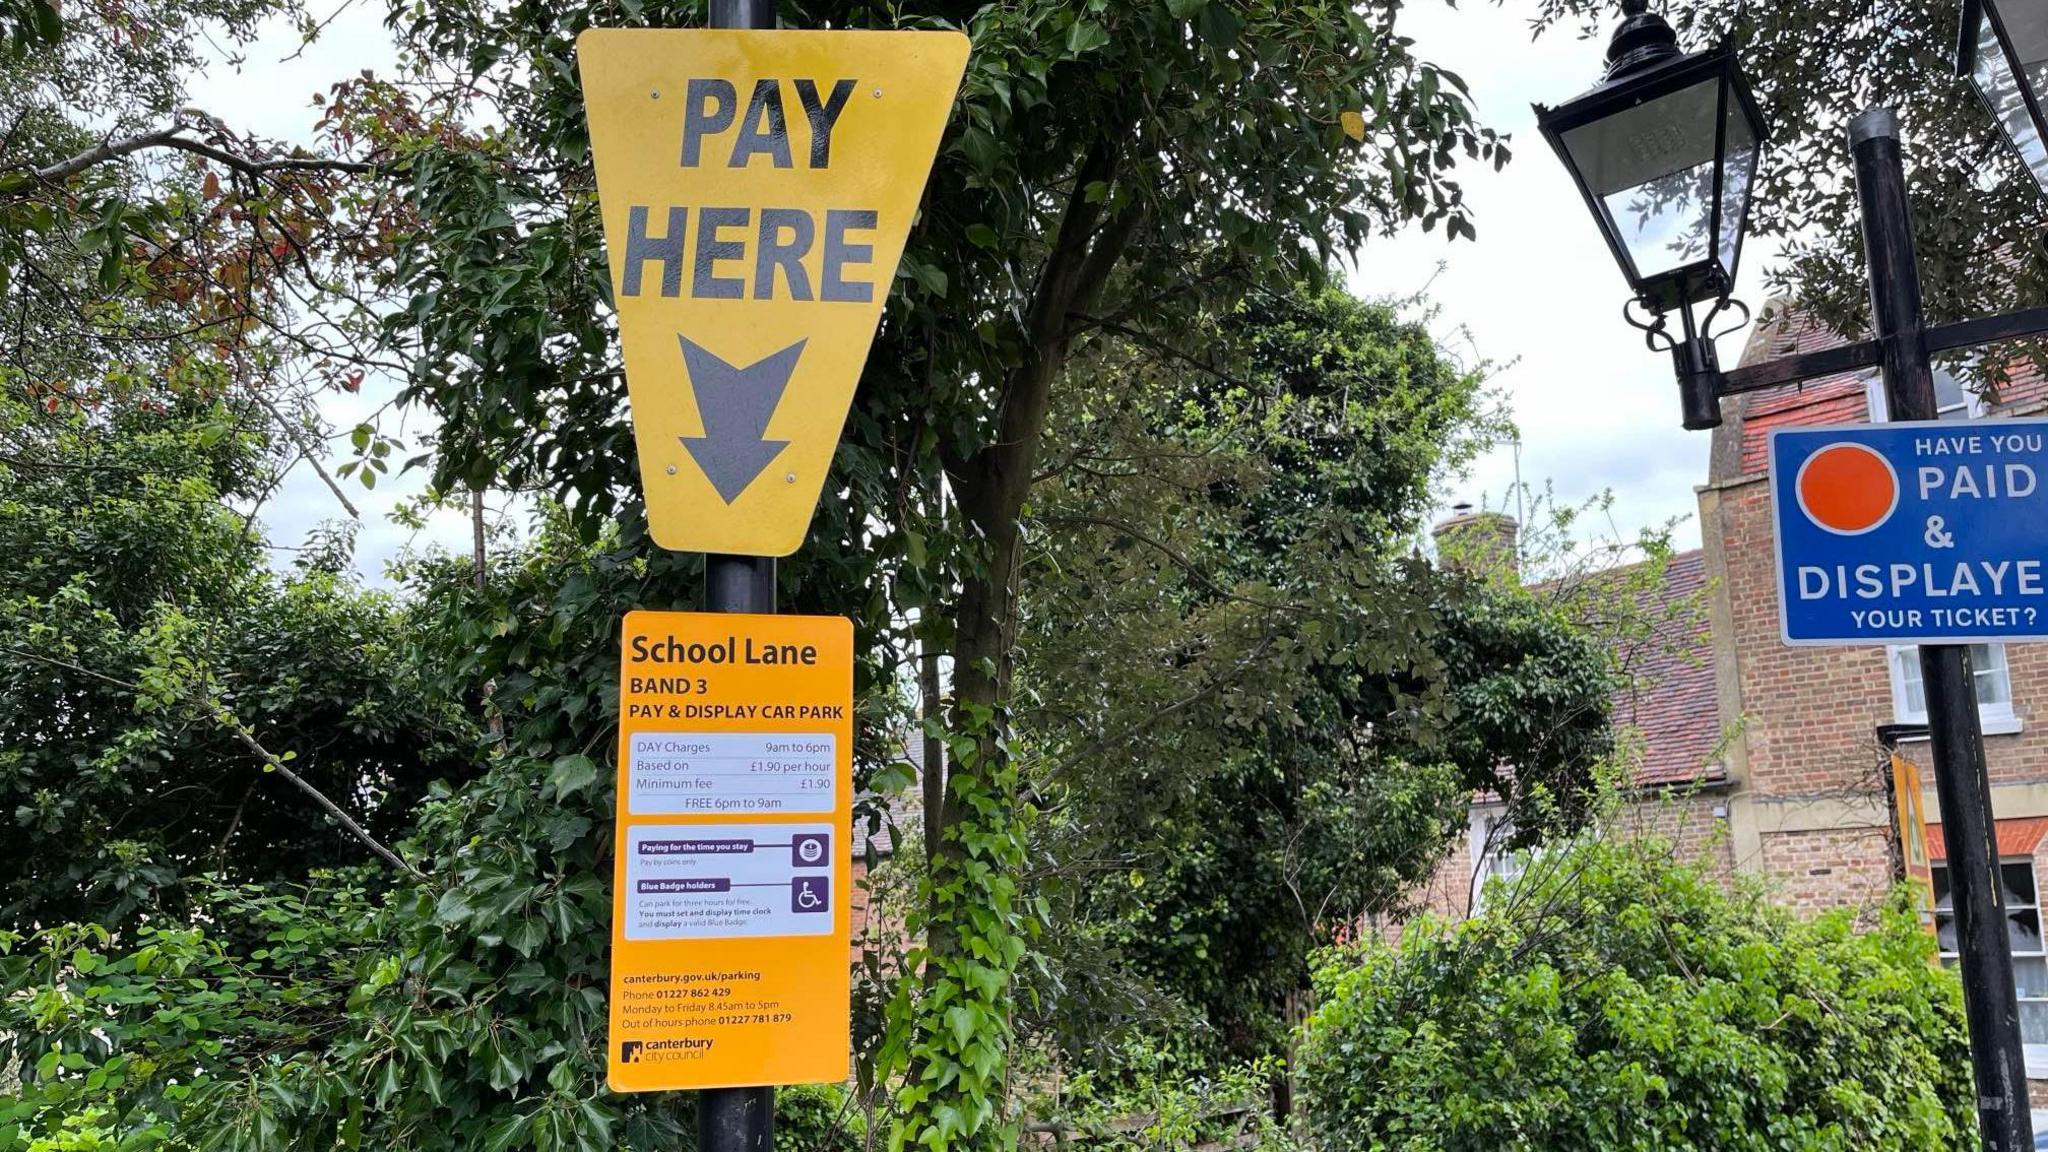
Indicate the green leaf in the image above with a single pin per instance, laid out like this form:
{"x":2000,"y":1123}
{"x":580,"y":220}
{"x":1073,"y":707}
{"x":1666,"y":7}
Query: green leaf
{"x":932,"y":277}
{"x":960,"y":1021}
{"x":893,"y":777}
{"x":1220,"y":26}
{"x":572,"y":774}
{"x":507,"y":1132}
{"x":1086,"y":36}
{"x":526,"y":935}
{"x":453,"y":907}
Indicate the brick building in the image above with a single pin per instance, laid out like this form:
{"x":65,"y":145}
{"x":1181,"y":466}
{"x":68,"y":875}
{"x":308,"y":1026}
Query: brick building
{"x":1767,"y":758}
{"x":1669,"y":713}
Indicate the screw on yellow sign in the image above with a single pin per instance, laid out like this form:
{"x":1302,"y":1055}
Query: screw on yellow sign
{"x":731,"y":876}
{"x":756,"y":189}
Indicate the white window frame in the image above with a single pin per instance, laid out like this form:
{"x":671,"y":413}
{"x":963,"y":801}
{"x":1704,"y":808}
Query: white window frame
{"x":2036,"y":1054}
{"x":1997,"y":719}
{"x":1490,"y":860}
{"x":1972,"y":406}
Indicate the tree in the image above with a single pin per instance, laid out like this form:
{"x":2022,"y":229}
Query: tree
{"x":142,"y":238}
{"x":1230,"y":644}
{"x":1122,"y":165}
{"x":1110,"y":172}
{"x":151,"y":667}
{"x":1619,"y":999}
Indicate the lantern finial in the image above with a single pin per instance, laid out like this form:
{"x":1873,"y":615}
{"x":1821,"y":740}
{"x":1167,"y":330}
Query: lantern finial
{"x":1642,"y":39}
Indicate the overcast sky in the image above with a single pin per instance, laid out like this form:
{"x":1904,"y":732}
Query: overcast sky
{"x":1537,"y":293}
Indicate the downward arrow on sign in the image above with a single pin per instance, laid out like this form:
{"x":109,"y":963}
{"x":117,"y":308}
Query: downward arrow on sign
{"x":735,"y":405}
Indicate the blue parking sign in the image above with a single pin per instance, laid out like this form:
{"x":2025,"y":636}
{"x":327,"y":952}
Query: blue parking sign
{"x":1912,"y":533}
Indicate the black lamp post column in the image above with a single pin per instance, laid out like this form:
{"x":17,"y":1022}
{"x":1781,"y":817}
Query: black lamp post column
{"x":1990,"y":1002}
{"x":738,"y":1119}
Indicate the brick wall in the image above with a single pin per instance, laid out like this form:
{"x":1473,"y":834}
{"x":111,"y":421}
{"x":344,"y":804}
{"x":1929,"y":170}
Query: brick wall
{"x":1819,"y":871}
{"x":1810,"y":714}
{"x":1446,"y":896}
{"x":1695,"y":825}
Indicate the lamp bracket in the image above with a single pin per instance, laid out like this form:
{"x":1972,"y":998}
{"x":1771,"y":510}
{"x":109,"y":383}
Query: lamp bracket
{"x":1721,"y":305}
{"x":2021,"y":325}
{"x":1653,"y":328}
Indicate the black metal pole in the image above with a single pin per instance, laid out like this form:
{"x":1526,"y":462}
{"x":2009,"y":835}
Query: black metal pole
{"x":738,"y":1119}
{"x":1989,"y":1000}
{"x":743,"y":13}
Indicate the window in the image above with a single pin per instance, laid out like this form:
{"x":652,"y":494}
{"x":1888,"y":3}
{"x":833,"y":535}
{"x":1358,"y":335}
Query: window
{"x":1489,"y":834}
{"x":1951,"y":400}
{"x":2023,"y":933}
{"x":1994,"y":688}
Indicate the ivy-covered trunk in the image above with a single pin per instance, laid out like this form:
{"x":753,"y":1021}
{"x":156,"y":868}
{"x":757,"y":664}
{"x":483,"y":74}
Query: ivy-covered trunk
{"x":951,"y":1023}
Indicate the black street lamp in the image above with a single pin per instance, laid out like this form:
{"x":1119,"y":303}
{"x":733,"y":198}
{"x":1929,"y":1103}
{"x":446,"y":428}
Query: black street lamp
{"x":2004,"y":52}
{"x":1665,"y":152}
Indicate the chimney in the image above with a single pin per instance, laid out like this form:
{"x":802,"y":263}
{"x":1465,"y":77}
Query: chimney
{"x":1475,"y":540}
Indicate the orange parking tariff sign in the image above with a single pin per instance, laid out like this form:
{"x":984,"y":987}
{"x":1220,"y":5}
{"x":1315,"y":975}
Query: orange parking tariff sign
{"x":730,"y":879}
{"x":1910,"y":812}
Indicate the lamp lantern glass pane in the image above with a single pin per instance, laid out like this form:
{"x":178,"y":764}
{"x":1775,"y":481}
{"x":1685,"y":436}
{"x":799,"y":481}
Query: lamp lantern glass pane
{"x":1667,"y":156}
{"x":1650,"y":171}
{"x":1738,"y":172}
{"x":2008,"y":64}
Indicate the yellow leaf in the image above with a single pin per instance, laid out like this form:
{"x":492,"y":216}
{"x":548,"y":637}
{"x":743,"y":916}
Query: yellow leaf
{"x":1354,"y":124}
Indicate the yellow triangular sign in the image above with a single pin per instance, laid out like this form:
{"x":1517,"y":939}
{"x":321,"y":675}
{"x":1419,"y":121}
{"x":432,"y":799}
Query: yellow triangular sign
{"x":756,"y":189}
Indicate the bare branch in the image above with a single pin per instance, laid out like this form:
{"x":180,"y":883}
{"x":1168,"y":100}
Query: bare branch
{"x":170,"y":137}
{"x":306,"y":452}
{"x":241,"y":731}
{"x":107,"y":150}
{"x":219,"y":714}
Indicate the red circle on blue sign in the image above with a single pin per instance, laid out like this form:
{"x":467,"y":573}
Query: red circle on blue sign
{"x":1847,"y":489}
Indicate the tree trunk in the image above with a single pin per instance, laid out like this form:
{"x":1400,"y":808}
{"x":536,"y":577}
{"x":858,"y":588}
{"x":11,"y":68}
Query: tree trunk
{"x":930,"y":708}
{"x":479,"y":573}
{"x":992,"y":484}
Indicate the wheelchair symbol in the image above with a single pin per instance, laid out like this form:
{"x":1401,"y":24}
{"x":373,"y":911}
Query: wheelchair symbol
{"x":810,"y":894}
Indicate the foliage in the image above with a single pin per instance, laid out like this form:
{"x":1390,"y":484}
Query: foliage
{"x":817,"y":1118}
{"x":26,"y":24}
{"x":482,"y":1023}
{"x":124,"y":581}
{"x":1097,"y":154}
{"x":1230,"y":643}
{"x":951,"y":1023}
{"x":150,"y":1038}
{"x":142,"y":236}
{"x":1159,"y":1103}
{"x":1114,"y":175}
{"x":1621,"y":1000}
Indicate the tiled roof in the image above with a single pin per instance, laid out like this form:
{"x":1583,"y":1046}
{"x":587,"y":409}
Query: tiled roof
{"x":1839,"y":399}
{"x":1843,"y":398}
{"x":1670,"y":699}
{"x":2016,"y":837}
